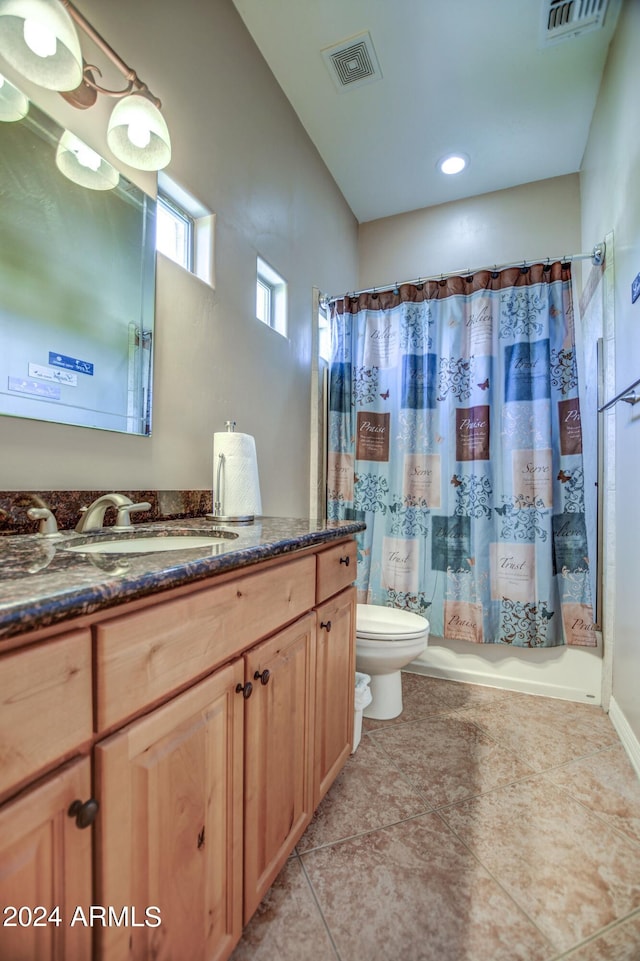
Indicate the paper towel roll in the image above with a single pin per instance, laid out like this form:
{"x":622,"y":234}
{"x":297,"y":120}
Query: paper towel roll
{"x":239,"y":492}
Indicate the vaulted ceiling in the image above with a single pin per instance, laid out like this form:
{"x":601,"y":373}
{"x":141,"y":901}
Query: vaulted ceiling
{"x":473,"y":76}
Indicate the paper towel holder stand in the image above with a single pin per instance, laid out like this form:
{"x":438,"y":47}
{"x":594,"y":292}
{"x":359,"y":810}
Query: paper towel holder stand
{"x":218,"y":517}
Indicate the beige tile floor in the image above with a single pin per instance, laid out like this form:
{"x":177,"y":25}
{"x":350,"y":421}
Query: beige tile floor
{"x":480,"y":825}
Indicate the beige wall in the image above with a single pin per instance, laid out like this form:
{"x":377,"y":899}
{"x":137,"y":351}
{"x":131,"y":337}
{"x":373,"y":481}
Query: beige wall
{"x":610,"y":187}
{"x":524,"y":223}
{"x":238,"y":147}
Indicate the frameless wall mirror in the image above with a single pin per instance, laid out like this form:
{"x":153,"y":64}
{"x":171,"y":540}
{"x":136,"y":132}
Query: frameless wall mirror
{"x":77,"y":279}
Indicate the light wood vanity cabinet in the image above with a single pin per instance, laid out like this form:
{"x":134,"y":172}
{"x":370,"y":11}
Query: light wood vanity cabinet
{"x":45,"y":859}
{"x":335,"y":689}
{"x":37,"y":684}
{"x":221,"y":717}
{"x":169,"y":834}
{"x":45,"y":870}
{"x":279,"y":740}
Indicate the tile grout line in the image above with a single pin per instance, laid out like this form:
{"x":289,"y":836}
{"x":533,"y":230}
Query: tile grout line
{"x":364,"y":834}
{"x":566,"y":955}
{"x":319,"y":909}
{"x":634,"y":842}
{"x":406,"y":779}
{"x":506,"y":893}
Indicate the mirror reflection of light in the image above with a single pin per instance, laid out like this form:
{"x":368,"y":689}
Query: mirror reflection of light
{"x":81,"y":164}
{"x":13,"y":103}
{"x":86,"y":156}
{"x":39,"y":38}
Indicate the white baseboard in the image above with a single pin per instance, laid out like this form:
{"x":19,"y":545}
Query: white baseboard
{"x":554,"y":672}
{"x":629,"y":741}
{"x":521,"y":685}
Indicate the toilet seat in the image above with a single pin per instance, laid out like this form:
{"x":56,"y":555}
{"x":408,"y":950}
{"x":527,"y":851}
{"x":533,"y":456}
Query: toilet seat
{"x":377,"y":623}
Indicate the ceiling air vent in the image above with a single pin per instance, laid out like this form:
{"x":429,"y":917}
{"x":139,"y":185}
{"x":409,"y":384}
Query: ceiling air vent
{"x":565,"y":19}
{"x":353,"y":62}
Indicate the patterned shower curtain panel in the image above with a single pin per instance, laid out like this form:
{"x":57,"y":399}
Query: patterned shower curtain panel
{"x":455,"y":434}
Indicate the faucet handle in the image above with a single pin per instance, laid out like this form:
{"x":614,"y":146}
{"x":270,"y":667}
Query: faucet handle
{"x":48,"y":526}
{"x":123,"y":520}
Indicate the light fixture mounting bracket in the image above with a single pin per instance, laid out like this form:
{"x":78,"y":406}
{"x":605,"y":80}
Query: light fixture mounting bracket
{"x":86,"y":94}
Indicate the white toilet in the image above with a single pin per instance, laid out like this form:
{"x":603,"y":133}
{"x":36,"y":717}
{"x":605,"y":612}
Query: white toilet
{"x":387,"y":639}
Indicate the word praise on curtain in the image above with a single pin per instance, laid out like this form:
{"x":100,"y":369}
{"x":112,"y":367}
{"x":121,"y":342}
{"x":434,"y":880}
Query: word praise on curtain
{"x":455,"y":434}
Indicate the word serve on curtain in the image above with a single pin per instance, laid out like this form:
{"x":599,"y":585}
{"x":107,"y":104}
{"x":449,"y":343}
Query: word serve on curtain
{"x":455,"y":433}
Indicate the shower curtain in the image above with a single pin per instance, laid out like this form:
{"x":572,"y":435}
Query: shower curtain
{"x":455,"y":434}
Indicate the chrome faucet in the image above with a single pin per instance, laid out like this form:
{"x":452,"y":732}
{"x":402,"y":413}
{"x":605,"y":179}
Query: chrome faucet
{"x":93,"y":516}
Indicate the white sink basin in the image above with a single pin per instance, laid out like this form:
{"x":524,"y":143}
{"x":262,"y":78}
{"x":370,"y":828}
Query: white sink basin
{"x":151,"y":544}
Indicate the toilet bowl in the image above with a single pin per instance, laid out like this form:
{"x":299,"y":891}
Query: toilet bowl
{"x":387,"y":639}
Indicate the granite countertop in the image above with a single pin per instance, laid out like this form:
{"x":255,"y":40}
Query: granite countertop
{"x":43,"y":583}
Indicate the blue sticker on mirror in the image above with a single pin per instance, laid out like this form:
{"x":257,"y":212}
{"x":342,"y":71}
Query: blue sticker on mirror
{"x":70,"y":363}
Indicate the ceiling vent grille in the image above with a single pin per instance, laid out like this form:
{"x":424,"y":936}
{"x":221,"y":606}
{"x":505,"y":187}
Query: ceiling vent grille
{"x":353,"y":62}
{"x":566,"y":19}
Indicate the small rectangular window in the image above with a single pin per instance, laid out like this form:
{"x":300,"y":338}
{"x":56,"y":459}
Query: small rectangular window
{"x":271,"y":298}
{"x":264,"y":298}
{"x":185,"y":229}
{"x":174,"y":232}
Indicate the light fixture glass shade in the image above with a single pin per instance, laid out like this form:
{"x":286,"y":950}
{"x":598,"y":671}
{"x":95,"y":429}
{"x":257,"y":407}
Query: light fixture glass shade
{"x":138,"y":134}
{"x":13,"y":103}
{"x":39,"y":39}
{"x":84,"y":166}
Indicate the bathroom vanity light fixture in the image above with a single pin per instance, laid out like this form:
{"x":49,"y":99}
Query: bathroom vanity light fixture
{"x":40,"y":39}
{"x":84,"y":166}
{"x":453,"y":163}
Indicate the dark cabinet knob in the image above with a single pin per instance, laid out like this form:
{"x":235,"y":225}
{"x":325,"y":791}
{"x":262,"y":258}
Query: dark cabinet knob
{"x":84,"y":813}
{"x":264,"y":677}
{"x":244,"y":689}
{"x":345,"y":560}
{"x":326,"y":625}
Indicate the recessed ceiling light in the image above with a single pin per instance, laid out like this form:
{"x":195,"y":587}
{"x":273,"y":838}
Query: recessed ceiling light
{"x":453,"y":163}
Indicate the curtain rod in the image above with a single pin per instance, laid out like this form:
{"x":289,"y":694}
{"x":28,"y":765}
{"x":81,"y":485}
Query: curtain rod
{"x":596,"y":256}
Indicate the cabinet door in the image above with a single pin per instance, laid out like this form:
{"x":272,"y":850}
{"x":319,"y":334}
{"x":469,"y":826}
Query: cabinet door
{"x":335,"y":686}
{"x":45,"y":871}
{"x":170,"y":835}
{"x":279,"y":722}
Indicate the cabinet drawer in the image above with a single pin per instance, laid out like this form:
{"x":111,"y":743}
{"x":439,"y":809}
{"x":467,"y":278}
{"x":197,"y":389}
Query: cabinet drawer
{"x":337,"y":568}
{"x":144,"y":656}
{"x":45,"y":705}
